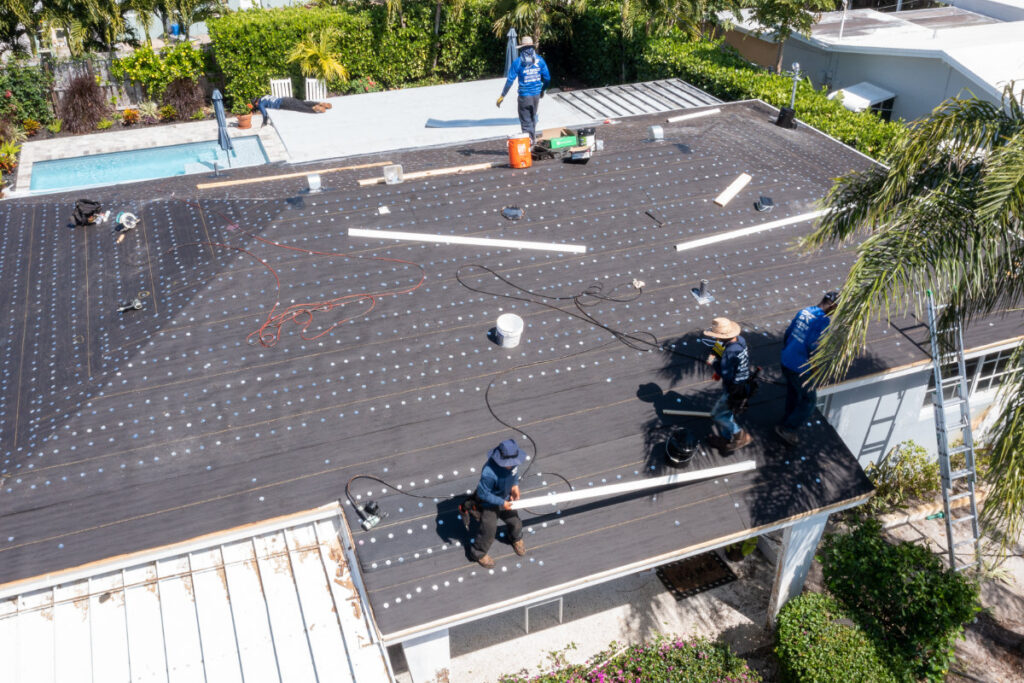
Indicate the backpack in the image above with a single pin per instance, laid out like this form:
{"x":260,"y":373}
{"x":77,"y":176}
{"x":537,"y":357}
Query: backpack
{"x":84,"y":210}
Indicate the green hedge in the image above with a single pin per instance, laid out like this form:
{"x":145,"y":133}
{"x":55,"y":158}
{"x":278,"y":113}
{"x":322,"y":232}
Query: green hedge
{"x":815,"y":642}
{"x":721,"y":71}
{"x":252,"y":46}
{"x":902,"y":596}
{"x":598,"y":52}
{"x":30,"y":90}
{"x":663,"y":660}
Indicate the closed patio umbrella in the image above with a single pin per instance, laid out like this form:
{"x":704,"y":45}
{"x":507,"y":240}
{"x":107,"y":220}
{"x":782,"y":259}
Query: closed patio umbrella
{"x":511,"y":51}
{"x":223,"y":139}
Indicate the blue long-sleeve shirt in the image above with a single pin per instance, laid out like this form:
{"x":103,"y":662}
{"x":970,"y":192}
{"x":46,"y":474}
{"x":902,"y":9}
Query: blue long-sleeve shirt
{"x":532,"y":72}
{"x":734,"y":365}
{"x":802,"y":336}
{"x":496,"y":484}
{"x":269,"y":102}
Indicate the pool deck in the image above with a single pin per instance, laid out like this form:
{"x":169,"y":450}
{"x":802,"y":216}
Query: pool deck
{"x":137,"y":138}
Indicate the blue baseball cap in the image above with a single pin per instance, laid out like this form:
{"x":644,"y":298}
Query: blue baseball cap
{"x":508,"y":454}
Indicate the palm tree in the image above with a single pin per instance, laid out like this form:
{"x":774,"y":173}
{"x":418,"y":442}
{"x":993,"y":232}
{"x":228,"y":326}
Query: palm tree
{"x":318,"y":58}
{"x":947,"y":216}
{"x":533,"y":17}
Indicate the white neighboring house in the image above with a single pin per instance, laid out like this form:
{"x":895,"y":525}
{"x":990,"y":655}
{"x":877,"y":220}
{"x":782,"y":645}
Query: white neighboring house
{"x":922,"y":57}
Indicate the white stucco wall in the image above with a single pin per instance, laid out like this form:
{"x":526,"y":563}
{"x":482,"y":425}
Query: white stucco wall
{"x":920,"y":84}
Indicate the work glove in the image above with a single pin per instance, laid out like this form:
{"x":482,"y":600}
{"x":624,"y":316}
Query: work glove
{"x":718,"y":349}
{"x":500,"y":100}
{"x":715,"y":376}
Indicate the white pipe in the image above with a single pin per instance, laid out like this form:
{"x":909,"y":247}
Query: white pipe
{"x":693,"y":115}
{"x":743,"y":232}
{"x":476,"y":241}
{"x":628,"y":486}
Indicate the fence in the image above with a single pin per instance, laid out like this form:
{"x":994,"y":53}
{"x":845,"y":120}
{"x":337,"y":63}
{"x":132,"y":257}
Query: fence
{"x":127,"y":94}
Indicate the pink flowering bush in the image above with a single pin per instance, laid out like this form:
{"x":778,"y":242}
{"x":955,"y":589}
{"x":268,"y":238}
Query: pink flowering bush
{"x":667,"y":659}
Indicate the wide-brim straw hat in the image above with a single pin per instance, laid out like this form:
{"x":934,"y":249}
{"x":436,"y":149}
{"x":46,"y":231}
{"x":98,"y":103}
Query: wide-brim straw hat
{"x":723,"y":328}
{"x":526,"y":42}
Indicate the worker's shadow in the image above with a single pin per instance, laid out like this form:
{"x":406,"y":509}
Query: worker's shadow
{"x":451,"y":527}
{"x":658,"y":429}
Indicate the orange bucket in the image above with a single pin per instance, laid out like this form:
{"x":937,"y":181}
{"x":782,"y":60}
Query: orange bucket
{"x":519,"y":151}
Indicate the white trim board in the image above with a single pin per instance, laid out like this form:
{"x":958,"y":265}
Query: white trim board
{"x":752,"y":230}
{"x":474,"y":241}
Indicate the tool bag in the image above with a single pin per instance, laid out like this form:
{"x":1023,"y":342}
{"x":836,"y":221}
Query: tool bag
{"x":84,"y":210}
{"x":470,"y":507}
{"x":741,"y":393}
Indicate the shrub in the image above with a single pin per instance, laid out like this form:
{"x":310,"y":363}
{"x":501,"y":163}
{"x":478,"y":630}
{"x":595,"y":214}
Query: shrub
{"x":901,"y":595}
{"x":721,"y":71}
{"x":356,"y":86}
{"x":599,"y":51}
{"x":9,"y":156}
{"x":905,"y":474}
{"x":252,"y":47}
{"x":129,"y":117}
{"x":664,"y":660}
{"x":30,"y":91}
{"x":31,"y":127}
{"x":155,"y":72}
{"x":55,"y":126}
{"x":168,"y":113}
{"x":83,"y":104}
{"x":815,"y":642}
{"x":104,"y":124}
{"x":149,"y":112}
{"x":185,"y":97}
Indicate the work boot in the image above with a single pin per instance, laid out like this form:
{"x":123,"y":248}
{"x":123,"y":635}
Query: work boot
{"x":486,"y":562}
{"x":787,"y":435}
{"x":520,"y":547}
{"x":738,"y":441}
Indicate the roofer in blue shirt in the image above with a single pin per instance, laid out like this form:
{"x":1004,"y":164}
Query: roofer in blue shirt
{"x":532,"y":72}
{"x":730,"y":359}
{"x":799,"y":342}
{"x":498,"y":487}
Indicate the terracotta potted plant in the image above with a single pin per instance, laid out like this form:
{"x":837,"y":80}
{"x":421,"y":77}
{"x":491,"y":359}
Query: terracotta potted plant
{"x":243,"y":111}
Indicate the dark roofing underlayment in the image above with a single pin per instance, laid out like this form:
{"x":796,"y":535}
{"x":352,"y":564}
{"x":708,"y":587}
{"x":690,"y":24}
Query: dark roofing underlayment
{"x":123,"y":432}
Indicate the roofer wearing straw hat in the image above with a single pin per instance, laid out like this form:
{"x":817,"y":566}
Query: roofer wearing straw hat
{"x":498,"y":487}
{"x":532,"y":72}
{"x":731,"y":361}
{"x":799,"y":342}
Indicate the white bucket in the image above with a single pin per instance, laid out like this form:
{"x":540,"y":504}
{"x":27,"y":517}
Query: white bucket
{"x":510,"y":329}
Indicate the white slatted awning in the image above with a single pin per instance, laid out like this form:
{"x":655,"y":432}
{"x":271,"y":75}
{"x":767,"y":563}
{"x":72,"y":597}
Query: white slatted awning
{"x":276,"y":604}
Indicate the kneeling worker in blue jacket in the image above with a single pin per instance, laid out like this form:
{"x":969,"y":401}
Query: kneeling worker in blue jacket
{"x":532,"y":72}
{"x":498,"y":487}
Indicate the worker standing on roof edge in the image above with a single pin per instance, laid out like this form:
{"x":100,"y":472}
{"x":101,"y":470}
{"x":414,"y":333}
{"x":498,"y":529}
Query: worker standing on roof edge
{"x":731,"y":360}
{"x":799,"y":342}
{"x":498,"y":487}
{"x":532,"y":72}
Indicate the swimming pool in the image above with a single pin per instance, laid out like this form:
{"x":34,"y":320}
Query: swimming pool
{"x":144,"y":164}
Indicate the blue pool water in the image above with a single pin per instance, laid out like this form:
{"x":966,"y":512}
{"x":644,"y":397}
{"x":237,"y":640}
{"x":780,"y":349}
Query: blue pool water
{"x":144,"y":164}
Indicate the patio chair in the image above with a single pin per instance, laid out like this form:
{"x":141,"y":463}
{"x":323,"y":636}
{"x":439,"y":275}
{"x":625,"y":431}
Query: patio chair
{"x":281,"y":87}
{"x":316,"y":90}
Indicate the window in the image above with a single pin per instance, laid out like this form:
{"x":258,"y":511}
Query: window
{"x":983,"y":373}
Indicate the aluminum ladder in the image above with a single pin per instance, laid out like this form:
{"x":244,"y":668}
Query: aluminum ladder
{"x":953,"y":361}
